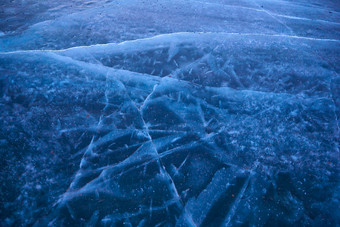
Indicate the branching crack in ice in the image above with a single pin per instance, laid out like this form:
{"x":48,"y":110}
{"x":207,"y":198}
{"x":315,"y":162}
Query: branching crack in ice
{"x":172,"y":184}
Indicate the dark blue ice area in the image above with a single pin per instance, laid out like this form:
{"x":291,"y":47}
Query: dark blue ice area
{"x":169,"y":113}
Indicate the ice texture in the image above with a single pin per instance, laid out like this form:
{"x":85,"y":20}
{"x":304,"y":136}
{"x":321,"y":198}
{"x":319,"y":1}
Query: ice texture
{"x":191,"y":113}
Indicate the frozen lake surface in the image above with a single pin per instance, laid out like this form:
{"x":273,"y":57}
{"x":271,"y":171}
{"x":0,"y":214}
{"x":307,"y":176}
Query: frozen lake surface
{"x":169,"y":113}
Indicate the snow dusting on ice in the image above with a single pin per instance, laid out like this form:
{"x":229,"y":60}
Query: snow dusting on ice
{"x":169,"y":113}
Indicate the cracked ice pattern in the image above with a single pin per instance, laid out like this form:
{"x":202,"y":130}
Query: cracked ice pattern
{"x":221,"y":127}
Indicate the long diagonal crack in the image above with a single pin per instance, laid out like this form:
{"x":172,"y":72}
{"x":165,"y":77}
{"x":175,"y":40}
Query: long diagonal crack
{"x":166,"y":38}
{"x":237,"y":201}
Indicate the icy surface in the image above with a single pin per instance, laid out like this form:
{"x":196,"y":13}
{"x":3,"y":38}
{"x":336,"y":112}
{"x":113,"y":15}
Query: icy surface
{"x":191,"y":113}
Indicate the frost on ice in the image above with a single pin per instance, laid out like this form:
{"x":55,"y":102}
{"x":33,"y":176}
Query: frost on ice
{"x":212,"y":128}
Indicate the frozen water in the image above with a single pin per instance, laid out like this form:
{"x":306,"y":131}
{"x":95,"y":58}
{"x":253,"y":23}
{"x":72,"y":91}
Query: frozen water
{"x":194,"y":113}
